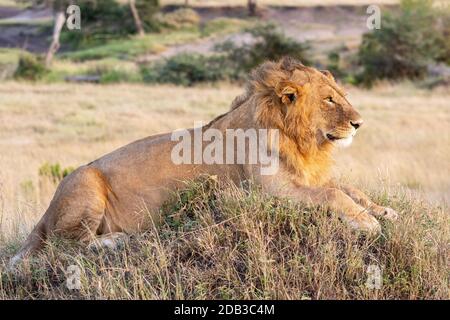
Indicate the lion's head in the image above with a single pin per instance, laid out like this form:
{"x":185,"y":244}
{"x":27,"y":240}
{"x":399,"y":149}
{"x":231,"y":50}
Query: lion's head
{"x":307,"y":107}
{"x":305,"y":103}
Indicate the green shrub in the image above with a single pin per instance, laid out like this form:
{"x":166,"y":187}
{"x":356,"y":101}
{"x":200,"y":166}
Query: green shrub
{"x":406,"y":43}
{"x":230,"y":62}
{"x":185,"y":69}
{"x":54,"y":171}
{"x":30,"y":67}
{"x":270,"y":44}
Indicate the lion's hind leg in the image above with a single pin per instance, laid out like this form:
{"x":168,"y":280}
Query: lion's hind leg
{"x":81,"y":206}
{"x":75,"y":212}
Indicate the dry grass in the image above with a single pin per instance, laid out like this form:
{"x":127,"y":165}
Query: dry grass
{"x":221,"y":242}
{"x":401,"y":153}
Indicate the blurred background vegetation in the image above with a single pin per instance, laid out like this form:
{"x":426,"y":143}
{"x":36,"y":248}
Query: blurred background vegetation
{"x":190,"y":42}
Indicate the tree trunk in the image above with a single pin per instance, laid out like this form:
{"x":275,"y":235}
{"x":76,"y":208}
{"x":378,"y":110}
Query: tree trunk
{"x":60,"y":18}
{"x":251,"y":5}
{"x":137,"y":19}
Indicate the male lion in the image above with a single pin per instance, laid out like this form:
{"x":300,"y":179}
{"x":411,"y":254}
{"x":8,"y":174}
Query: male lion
{"x":114,"y":194}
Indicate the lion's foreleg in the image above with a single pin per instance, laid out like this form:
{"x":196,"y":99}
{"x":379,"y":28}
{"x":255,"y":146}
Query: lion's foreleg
{"x":362,"y":199}
{"x":332,"y":198}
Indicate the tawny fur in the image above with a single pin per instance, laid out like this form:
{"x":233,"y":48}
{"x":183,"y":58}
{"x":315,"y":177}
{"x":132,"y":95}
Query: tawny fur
{"x":123,"y":191}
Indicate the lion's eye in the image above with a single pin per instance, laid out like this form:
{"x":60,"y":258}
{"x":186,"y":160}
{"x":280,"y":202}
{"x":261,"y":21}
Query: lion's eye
{"x":329,"y":99}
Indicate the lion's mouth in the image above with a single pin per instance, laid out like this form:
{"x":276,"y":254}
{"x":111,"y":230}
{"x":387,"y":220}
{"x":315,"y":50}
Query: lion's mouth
{"x":333,"y":138}
{"x":340,"y":141}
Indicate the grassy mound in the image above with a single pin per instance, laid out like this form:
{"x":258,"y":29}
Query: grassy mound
{"x":224,"y":242}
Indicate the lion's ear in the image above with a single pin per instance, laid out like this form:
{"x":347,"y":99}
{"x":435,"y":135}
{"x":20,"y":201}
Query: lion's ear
{"x":327,"y":74}
{"x":287,"y":92}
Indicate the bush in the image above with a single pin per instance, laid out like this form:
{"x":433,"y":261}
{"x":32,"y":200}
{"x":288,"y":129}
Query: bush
{"x":270,"y":43}
{"x":185,"y":69}
{"x":230,"y":62}
{"x":406,"y":43}
{"x":30,"y":67}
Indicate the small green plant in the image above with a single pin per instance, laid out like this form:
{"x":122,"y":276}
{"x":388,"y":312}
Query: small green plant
{"x":30,"y":67}
{"x":54,"y":171}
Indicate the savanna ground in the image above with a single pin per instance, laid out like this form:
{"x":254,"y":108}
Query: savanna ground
{"x":222,"y":241}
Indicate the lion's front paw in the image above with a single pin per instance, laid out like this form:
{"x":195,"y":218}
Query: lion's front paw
{"x":365,"y":222}
{"x":390,"y":214}
{"x":385,"y":212}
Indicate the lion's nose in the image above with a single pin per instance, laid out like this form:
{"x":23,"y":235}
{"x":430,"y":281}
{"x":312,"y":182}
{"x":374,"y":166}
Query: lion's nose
{"x":357,"y":123}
